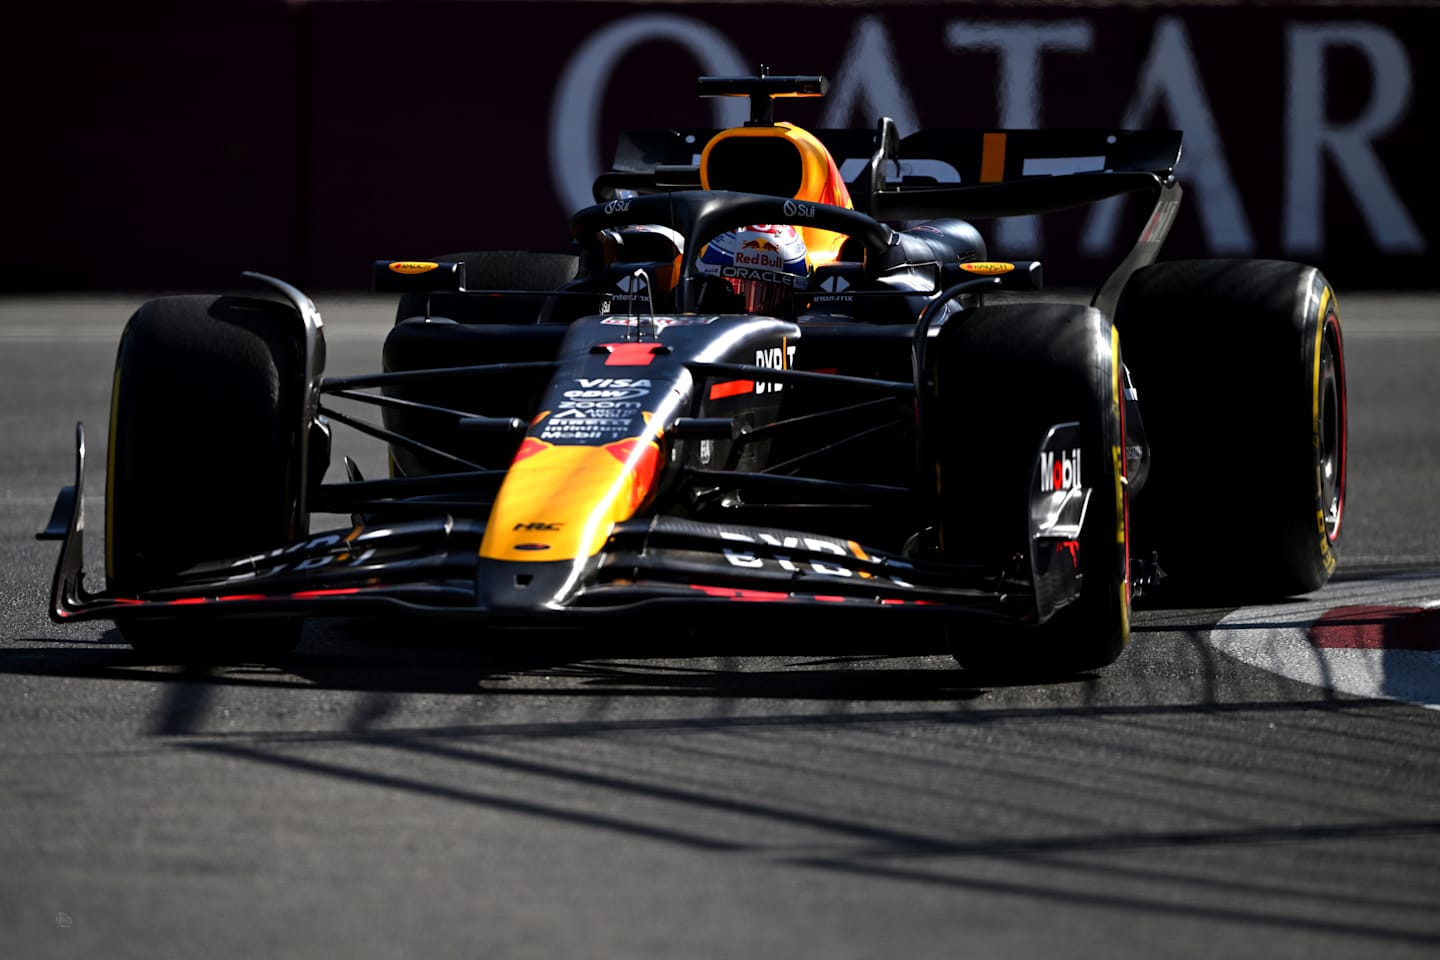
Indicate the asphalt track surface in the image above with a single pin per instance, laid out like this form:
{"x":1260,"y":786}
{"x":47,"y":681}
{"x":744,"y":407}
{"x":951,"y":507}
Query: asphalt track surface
{"x":395,"y":791}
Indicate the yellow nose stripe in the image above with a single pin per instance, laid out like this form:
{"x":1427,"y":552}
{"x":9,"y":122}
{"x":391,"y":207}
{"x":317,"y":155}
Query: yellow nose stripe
{"x":559,"y":503}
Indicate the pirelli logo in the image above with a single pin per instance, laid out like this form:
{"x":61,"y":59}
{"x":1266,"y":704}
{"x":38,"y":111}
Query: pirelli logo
{"x":987,"y":268}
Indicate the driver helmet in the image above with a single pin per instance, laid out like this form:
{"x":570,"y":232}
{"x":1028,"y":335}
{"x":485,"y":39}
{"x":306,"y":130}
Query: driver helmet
{"x":763,"y":263}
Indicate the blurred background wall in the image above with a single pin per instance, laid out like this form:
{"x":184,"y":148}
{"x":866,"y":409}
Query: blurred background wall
{"x":165,"y":146}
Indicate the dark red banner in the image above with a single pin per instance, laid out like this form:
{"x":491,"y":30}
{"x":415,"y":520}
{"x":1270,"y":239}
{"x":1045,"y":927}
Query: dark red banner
{"x":172,"y":147}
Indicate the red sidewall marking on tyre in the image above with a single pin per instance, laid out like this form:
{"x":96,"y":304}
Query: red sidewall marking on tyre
{"x":1374,"y":638}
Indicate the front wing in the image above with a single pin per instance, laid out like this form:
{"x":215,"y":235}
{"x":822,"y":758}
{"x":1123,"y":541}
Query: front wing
{"x":649,"y":565}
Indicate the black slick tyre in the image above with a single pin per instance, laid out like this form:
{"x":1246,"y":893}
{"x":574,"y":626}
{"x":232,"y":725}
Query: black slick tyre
{"x":1003,"y":376}
{"x":1240,"y":372}
{"x":203,"y":460}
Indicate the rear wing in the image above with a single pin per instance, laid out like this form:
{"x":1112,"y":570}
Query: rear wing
{"x":973,"y":174}
{"x":969,"y":174}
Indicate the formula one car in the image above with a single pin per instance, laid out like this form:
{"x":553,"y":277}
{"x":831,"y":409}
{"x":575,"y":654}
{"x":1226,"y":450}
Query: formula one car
{"x":757,"y":388}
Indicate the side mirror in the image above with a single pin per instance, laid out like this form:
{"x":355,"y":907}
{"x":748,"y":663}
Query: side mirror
{"x":417,"y":276}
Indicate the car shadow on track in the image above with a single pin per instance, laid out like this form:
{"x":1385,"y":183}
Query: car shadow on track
{"x":376,"y":656}
{"x":400,"y":656}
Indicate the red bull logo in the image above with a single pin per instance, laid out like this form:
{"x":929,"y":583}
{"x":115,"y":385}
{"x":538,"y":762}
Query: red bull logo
{"x":766,"y":256}
{"x":759,"y":244}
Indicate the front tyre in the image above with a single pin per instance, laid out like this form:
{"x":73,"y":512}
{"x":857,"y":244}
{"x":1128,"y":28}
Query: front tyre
{"x":1003,"y":377}
{"x":204,"y":454}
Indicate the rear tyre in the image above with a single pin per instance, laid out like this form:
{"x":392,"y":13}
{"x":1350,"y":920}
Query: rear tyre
{"x":494,"y":270}
{"x":1003,"y":376}
{"x":203,"y":460}
{"x":1240,"y":371}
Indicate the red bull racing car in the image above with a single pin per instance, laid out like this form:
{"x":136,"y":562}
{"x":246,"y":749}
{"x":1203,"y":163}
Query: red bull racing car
{"x":754,"y":388}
